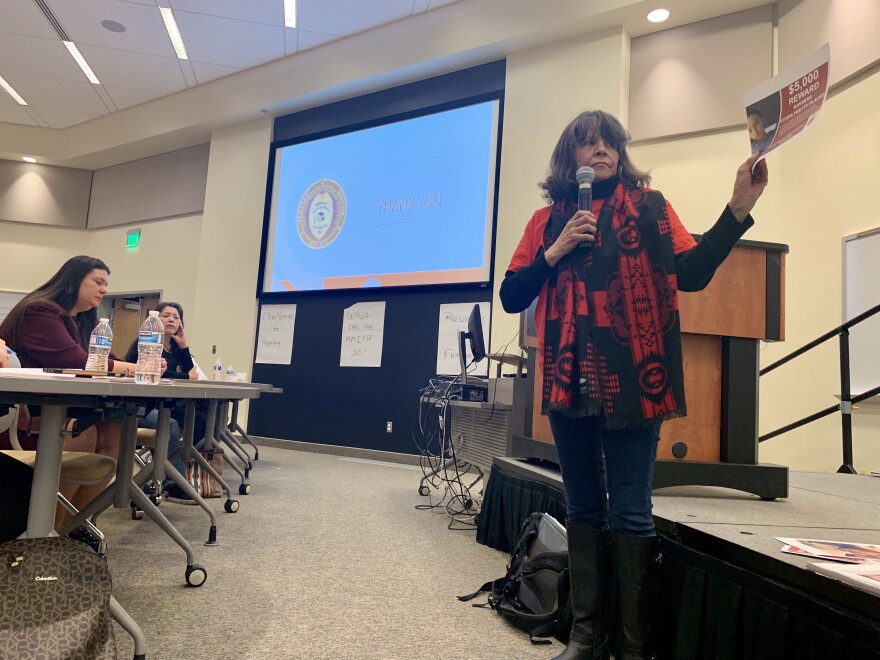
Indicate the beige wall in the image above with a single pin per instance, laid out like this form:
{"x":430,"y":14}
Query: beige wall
{"x":166,"y":260}
{"x":32,"y":253}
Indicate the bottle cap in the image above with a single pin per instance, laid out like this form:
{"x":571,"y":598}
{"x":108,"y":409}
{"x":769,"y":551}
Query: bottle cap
{"x":103,"y":320}
{"x":154,"y":313}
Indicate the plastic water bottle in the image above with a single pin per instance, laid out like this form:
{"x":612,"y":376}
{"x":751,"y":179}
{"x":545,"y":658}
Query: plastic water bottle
{"x":151,"y":338}
{"x":218,"y":370}
{"x":99,"y":346}
{"x":230,"y":374}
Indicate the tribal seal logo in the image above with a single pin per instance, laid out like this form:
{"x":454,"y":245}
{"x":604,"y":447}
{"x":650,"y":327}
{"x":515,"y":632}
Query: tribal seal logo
{"x":321,"y":214}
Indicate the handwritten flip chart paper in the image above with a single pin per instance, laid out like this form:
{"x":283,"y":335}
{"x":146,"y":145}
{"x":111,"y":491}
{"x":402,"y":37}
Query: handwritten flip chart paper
{"x":454,"y":319}
{"x":363,"y":328}
{"x":275,"y":334}
{"x":782,"y":108}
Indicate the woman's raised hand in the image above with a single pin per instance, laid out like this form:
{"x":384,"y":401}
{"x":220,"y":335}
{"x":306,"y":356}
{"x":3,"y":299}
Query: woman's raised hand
{"x":750,"y":182}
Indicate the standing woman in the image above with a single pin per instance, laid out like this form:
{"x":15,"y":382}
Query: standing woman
{"x":51,"y":327}
{"x":607,"y":320}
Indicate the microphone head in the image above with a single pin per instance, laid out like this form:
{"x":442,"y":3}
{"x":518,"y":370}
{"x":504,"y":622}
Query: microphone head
{"x":585,"y":174}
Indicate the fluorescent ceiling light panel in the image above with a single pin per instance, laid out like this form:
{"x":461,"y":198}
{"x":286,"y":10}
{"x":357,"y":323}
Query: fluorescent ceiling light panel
{"x":173,"y":33}
{"x":5,"y":85}
{"x":29,"y":159}
{"x":86,"y":69}
{"x":290,"y":13}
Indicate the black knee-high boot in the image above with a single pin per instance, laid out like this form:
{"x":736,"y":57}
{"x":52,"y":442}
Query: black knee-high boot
{"x":637,"y":560}
{"x":589,"y":557}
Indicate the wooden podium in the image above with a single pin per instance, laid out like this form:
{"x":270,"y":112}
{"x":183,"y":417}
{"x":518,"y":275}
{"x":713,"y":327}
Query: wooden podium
{"x":722,"y":326}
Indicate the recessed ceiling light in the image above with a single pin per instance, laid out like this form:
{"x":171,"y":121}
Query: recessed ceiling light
{"x":173,"y":33}
{"x":86,"y":69}
{"x":658,"y":15}
{"x":290,"y":13}
{"x":113,"y":26}
{"x":5,"y":85}
{"x":29,"y":159}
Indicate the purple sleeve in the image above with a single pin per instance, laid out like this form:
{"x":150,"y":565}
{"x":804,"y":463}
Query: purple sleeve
{"x":48,"y":339}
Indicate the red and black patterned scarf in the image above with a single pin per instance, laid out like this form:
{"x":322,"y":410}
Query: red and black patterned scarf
{"x":611,"y":340}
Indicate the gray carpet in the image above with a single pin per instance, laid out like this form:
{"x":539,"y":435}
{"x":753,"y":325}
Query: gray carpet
{"x":327,"y":558}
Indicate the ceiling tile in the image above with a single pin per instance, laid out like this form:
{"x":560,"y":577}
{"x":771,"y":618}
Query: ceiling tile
{"x":147,"y":73}
{"x":145,"y":31}
{"x":15,"y":114}
{"x":228,"y":42}
{"x":125,"y":98}
{"x":308,"y":39}
{"x":43,"y":92}
{"x":25,"y":18}
{"x":270,"y":12}
{"x":39,"y":57}
{"x":207,"y":72}
{"x":347,"y":17}
{"x":65,"y":118}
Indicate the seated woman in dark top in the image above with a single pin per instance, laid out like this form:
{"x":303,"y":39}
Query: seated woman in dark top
{"x":179,"y":364}
{"x":50,"y":327}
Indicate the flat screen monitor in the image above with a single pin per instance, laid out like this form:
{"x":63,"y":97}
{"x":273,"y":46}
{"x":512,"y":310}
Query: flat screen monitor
{"x":405,"y":203}
{"x":474,"y":336}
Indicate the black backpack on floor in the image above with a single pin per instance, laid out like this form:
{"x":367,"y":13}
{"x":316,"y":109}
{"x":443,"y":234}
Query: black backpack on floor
{"x":534,"y":594}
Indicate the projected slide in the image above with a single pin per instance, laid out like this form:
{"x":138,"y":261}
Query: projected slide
{"x":401,"y":204}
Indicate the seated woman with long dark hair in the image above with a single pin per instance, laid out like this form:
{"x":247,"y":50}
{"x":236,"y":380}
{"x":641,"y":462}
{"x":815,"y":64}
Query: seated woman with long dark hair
{"x":50,"y":327}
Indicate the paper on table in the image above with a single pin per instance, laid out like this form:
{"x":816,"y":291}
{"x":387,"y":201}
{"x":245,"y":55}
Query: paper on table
{"x":852,"y":553}
{"x":862,"y":576}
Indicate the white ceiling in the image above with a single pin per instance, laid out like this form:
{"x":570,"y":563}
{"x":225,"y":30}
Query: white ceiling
{"x":244,"y":64}
{"x":135,"y":66}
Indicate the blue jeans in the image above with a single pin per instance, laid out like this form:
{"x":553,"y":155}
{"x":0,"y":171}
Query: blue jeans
{"x":616,"y":490}
{"x":150,"y":421}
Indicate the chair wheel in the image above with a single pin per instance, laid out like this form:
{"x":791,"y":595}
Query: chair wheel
{"x":244,"y":489}
{"x":196,"y":574}
{"x":136,"y":513}
{"x":250,"y":465}
{"x":231,"y":506}
{"x":423,"y":490}
{"x":156,"y":500}
{"x":468,"y":503}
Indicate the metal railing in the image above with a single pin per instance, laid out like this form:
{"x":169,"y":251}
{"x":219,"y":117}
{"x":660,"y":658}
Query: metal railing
{"x":846,"y":398}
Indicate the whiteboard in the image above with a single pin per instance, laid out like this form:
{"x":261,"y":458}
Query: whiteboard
{"x":861,"y":292}
{"x":8,"y":300}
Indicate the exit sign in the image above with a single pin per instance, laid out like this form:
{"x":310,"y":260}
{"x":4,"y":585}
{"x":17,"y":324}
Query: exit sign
{"x":133,"y":239}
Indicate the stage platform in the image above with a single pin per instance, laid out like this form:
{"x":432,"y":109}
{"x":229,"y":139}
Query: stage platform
{"x":728,"y":591}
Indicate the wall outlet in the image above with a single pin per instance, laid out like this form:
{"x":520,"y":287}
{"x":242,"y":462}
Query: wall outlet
{"x":388,"y":427}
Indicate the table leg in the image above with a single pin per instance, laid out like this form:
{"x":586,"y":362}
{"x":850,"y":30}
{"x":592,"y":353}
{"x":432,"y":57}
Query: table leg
{"x":47,"y":472}
{"x":125,"y":462}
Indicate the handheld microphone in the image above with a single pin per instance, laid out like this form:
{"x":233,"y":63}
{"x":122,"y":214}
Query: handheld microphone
{"x":585,"y":176}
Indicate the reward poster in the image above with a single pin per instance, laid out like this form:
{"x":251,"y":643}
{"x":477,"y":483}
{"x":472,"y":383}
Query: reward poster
{"x":783,"y":107}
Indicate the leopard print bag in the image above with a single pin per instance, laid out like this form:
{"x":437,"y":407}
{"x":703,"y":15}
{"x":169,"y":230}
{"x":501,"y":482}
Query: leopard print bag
{"x":54,"y":601}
